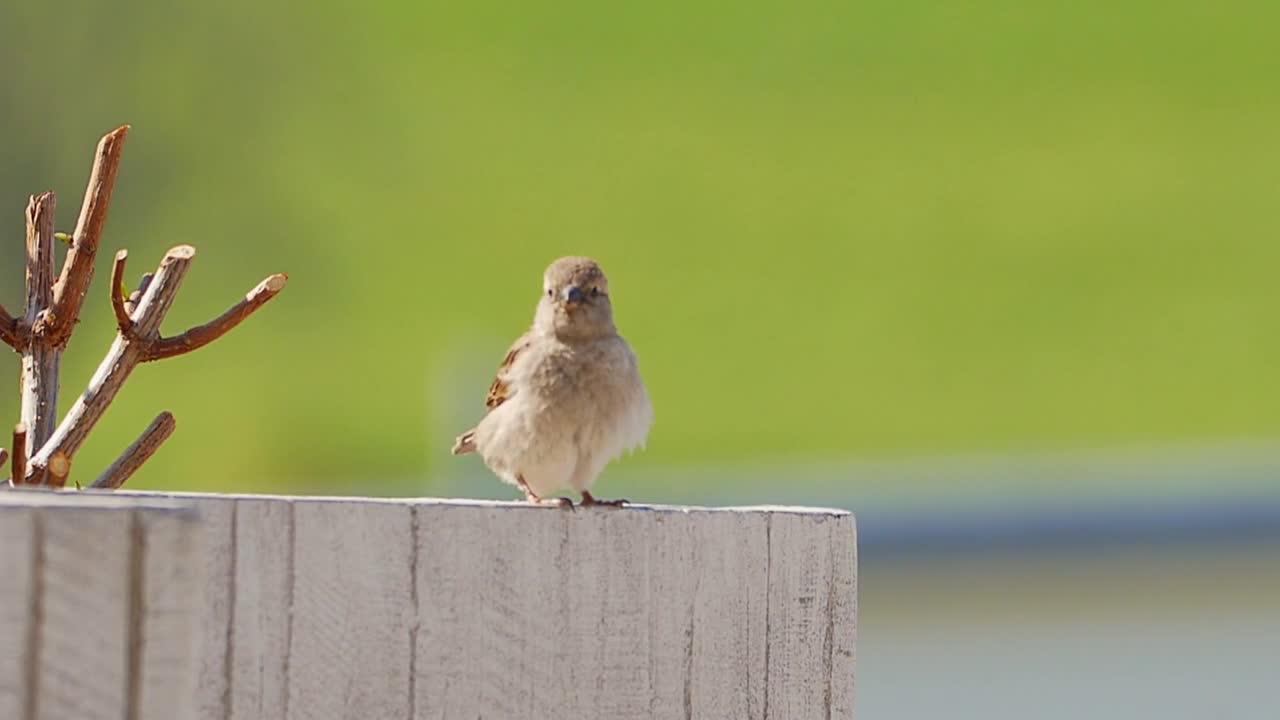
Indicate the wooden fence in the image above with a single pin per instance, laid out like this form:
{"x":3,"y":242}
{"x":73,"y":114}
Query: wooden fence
{"x":212,"y":607}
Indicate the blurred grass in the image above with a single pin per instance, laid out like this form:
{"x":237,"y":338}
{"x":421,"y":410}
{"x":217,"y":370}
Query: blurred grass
{"x":833,"y":230}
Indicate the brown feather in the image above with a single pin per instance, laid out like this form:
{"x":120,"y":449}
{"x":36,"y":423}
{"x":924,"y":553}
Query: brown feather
{"x":499,"y":389}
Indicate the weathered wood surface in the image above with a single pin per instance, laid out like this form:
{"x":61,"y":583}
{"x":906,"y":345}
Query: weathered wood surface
{"x":97,"y":618}
{"x":355,"y":608}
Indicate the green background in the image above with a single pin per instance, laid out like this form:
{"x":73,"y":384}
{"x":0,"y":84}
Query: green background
{"x":900,"y":256}
{"x":834,"y":231}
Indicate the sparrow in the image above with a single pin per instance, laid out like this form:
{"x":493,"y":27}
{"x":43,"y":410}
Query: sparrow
{"x":568,"y":398}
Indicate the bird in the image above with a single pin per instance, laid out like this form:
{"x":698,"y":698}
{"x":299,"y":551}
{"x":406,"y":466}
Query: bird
{"x":568,"y":398}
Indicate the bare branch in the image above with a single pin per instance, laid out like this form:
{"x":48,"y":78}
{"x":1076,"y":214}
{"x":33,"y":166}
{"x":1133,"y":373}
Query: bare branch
{"x":40,"y":260}
{"x":77,"y":269}
{"x":125,"y":354}
{"x":19,"y":454}
{"x":43,"y":452}
{"x":41,"y":358}
{"x":138,"y":453}
{"x":10,"y":331}
{"x":117,"y":292}
{"x":198,"y":337}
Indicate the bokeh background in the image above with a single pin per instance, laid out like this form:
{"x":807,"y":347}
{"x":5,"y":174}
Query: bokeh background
{"x":1001,"y":277}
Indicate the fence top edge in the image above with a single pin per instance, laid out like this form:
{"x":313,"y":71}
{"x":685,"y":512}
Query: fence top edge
{"x":57,"y":499}
{"x":473,"y":503}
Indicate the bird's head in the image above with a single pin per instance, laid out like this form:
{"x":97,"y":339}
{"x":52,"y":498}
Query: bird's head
{"x":575,"y":300}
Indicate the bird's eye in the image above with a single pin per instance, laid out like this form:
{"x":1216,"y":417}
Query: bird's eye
{"x":550,"y":292}
{"x":595,"y":291}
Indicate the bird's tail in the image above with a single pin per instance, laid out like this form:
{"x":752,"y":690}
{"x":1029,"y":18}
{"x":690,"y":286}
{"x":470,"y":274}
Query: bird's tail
{"x":466,"y":443}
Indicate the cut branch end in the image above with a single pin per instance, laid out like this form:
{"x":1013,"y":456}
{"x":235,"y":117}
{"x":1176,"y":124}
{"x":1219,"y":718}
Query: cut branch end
{"x":198,"y":337}
{"x":59,"y":469}
{"x":273,"y":284}
{"x":77,"y":269}
{"x":181,"y":252}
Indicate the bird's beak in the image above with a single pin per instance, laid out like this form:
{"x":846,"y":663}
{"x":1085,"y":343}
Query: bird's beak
{"x":572,"y":296}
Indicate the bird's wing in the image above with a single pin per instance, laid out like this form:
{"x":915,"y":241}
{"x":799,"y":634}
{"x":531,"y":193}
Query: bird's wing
{"x":500,"y":389}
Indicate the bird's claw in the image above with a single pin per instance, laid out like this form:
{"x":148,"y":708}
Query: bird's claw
{"x":588,"y":500}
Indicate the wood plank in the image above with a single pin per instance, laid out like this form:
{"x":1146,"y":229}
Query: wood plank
{"x":844,"y":613}
{"x":350,"y":649}
{"x":84,"y":663}
{"x":606,"y":631}
{"x":597,"y":613}
{"x":213,"y":691}
{"x":20,"y":542}
{"x":800,"y":621}
{"x":730,"y":615}
{"x":263,"y":583}
{"x":167,"y":612}
{"x":664,"y":614}
{"x":478,"y":626}
{"x":349,"y":607}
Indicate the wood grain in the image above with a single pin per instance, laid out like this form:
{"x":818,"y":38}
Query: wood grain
{"x":531,"y":612}
{"x":259,"y":642}
{"x":357,"y":608}
{"x":42,"y":356}
{"x":349,"y":648}
{"x":105,"y":629}
{"x":213,"y":649}
{"x":83,"y":666}
{"x":801,"y":623}
{"x":19,"y":538}
{"x":166,"y":614}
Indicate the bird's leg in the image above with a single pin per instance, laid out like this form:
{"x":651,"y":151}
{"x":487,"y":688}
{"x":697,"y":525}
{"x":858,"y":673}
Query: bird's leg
{"x":589,"y":499}
{"x":532,"y":497}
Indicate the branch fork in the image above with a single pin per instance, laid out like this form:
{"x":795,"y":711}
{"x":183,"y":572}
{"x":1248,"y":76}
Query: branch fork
{"x":42,"y":453}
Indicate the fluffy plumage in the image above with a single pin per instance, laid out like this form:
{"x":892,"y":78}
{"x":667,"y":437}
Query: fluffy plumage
{"x":568,"y":398}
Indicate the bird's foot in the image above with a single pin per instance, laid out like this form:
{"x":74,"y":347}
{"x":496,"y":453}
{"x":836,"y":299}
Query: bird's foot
{"x":588,"y":499}
{"x":530,"y":496}
{"x":562,"y":502}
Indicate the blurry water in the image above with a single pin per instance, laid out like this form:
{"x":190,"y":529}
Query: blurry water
{"x":1123,"y":633}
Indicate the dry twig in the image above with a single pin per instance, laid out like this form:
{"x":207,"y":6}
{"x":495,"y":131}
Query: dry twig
{"x":44,"y":455}
{"x":118,"y":299}
{"x":40,"y":358}
{"x":138,"y":453}
{"x":77,"y":270}
{"x":139,"y":341}
{"x":19,"y":454}
{"x":198,"y":337}
{"x":10,"y":332}
{"x":125,"y":354}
